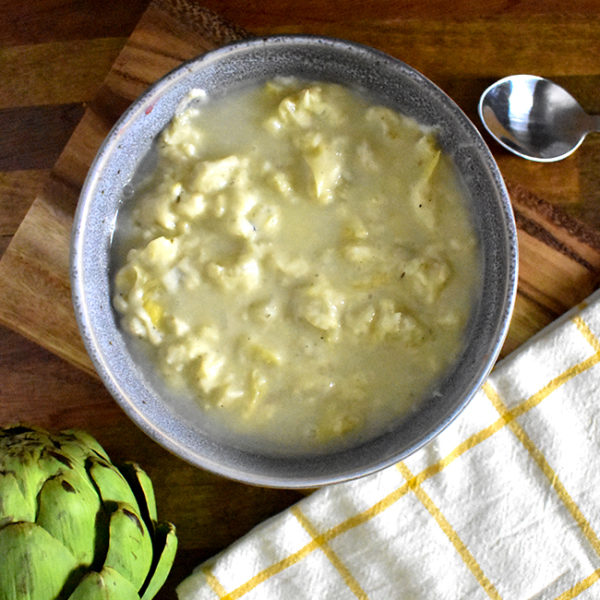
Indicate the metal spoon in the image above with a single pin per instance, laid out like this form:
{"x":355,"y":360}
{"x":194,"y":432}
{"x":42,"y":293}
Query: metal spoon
{"x":535,"y":118}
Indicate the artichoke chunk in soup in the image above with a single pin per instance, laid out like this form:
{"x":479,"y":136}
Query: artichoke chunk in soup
{"x":300,"y":261}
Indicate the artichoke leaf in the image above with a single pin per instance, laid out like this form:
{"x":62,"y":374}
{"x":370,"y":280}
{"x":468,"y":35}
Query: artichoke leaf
{"x":111,"y":484}
{"x":68,"y":510}
{"x":13,"y":505}
{"x":73,"y":525}
{"x":141,"y":484}
{"x":24,"y":452}
{"x":87,"y":442}
{"x":67,"y":450}
{"x":130,"y":550}
{"x":106,"y":585}
{"x":165,"y":548}
{"x":35,"y":566}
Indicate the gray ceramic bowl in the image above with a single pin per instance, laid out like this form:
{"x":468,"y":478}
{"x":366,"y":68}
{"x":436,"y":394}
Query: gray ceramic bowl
{"x":393,"y":83}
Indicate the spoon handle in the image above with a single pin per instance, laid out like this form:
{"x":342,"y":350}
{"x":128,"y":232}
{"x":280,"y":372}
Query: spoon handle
{"x":594,"y":122}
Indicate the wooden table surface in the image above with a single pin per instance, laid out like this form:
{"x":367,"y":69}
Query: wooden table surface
{"x":55,"y":54}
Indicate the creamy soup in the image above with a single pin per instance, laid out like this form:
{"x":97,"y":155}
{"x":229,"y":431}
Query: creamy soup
{"x":300,"y":260}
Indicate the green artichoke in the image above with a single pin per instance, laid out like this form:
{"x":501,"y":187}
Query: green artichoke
{"x":73,"y":525}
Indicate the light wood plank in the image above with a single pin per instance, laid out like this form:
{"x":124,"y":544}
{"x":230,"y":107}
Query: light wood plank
{"x":17,"y":191}
{"x":61,"y":72}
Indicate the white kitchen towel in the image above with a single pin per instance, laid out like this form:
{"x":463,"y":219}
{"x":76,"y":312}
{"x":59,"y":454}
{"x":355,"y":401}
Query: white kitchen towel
{"x":505,"y":503}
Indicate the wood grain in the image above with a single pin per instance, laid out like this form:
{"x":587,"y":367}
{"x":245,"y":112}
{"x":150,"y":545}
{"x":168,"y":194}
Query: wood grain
{"x":34,"y":271}
{"x":51,"y":127}
{"x":210,"y":512}
{"x":17,"y":190}
{"x":56,"y":72}
{"x":170,"y":32}
{"x":61,"y":55}
{"x":473,"y":39}
{"x":255,"y":16}
{"x":36,"y":297}
{"x":42,"y":21}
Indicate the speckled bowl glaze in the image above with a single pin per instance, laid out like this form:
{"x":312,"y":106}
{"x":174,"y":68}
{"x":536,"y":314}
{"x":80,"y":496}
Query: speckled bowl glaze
{"x":390,"y":82}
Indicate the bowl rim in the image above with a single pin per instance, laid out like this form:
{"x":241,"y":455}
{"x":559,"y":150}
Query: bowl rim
{"x":77,"y":272}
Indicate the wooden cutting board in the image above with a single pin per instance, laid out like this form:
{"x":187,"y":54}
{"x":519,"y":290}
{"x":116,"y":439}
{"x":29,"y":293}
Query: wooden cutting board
{"x":556,"y":208}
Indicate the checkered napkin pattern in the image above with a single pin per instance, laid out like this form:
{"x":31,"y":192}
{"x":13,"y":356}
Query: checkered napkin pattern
{"x":505,"y":503}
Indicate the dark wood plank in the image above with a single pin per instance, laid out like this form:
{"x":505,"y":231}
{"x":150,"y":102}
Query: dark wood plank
{"x":446,"y":39}
{"x":255,"y":15}
{"x":48,"y":130}
{"x":39,"y":21}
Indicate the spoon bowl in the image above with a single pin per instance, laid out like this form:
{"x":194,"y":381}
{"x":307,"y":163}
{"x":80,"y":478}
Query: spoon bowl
{"x":535,"y":118}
